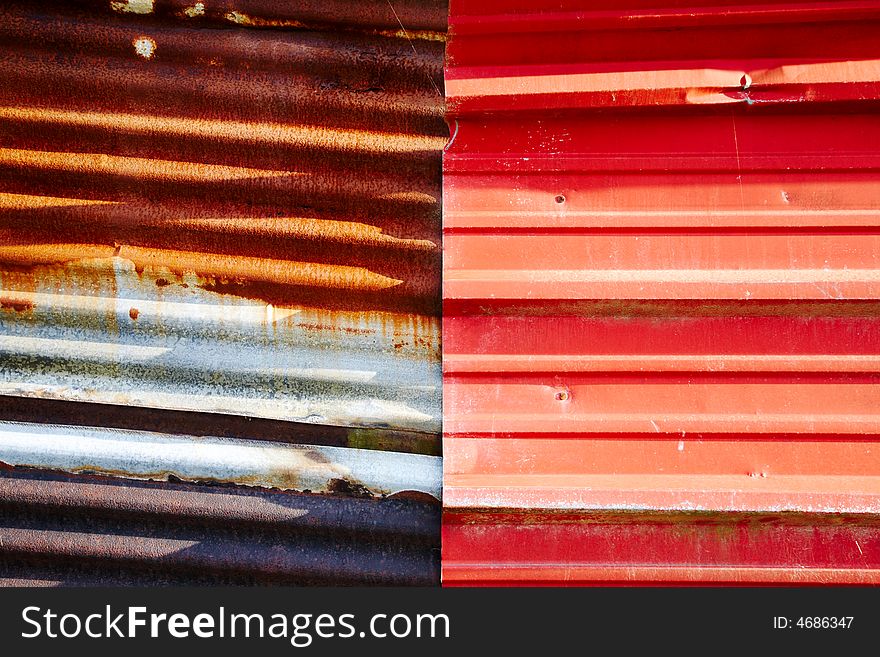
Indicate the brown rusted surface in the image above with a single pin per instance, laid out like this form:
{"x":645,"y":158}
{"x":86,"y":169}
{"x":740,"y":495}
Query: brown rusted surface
{"x":283,"y":161}
{"x":172,"y":172}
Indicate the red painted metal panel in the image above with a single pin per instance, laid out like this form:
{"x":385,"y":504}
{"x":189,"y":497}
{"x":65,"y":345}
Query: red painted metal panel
{"x":661,"y":286}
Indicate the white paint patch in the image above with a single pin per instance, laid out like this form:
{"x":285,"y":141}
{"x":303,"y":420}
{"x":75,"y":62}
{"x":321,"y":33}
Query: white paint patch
{"x":197,"y":9}
{"x":680,"y":445}
{"x":144,"y":46}
{"x":132,"y":6}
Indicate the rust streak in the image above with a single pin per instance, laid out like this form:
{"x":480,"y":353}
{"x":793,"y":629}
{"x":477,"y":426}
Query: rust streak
{"x":224,"y":267}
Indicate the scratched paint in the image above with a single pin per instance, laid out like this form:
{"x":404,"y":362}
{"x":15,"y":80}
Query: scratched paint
{"x":660,"y":293}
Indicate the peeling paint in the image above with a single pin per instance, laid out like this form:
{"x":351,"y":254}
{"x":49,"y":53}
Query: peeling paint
{"x":198,"y":9}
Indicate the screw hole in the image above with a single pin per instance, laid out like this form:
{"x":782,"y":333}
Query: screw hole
{"x":561,"y":396}
{"x":560,"y":198}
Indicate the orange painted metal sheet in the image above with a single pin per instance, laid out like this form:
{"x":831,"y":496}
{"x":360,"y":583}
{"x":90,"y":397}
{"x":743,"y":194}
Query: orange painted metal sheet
{"x":661,"y":284}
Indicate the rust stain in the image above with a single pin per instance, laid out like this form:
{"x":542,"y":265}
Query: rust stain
{"x":348,"y":488}
{"x":279,"y":479}
{"x":17,"y":305}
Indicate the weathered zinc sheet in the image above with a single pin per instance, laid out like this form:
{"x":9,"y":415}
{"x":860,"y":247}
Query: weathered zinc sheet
{"x":220,"y":259}
{"x":661,"y":276}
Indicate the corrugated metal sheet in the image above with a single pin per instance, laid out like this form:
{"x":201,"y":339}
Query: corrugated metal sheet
{"x":661,"y":280}
{"x":65,"y":530}
{"x":216,"y":211}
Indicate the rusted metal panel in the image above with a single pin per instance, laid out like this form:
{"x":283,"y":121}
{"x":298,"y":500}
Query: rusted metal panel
{"x":74,"y":530}
{"x":661,"y":293}
{"x":231,"y":220}
{"x":220,"y":262}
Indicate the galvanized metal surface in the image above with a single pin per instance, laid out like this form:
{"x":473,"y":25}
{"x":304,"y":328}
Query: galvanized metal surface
{"x":144,"y":455}
{"x":220,"y":262}
{"x":79,"y":530}
{"x":661,"y":285}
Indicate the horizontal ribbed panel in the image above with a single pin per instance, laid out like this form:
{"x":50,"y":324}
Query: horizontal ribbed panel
{"x":660,"y":293}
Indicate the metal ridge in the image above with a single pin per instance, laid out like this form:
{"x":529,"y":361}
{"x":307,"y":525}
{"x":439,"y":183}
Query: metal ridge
{"x":143,"y":455}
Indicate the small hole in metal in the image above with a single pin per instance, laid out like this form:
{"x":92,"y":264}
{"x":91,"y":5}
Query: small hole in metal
{"x":560,"y":198}
{"x":561,"y":396}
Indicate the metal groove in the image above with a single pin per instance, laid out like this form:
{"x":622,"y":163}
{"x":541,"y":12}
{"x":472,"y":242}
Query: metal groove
{"x":143,"y":455}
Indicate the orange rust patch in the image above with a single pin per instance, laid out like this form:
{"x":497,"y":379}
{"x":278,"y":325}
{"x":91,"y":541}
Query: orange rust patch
{"x":16,"y":305}
{"x":133,"y":313}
